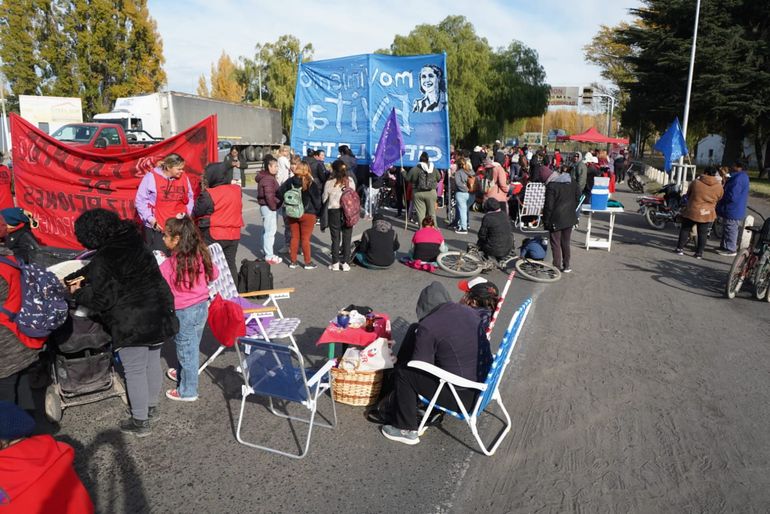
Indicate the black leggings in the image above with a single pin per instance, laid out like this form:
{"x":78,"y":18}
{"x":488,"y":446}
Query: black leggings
{"x":684,"y":234}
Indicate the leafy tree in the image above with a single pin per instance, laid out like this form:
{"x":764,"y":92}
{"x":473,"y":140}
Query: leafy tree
{"x":278,"y":63}
{"x":95,"y":49}
{"x":517,"y":88}
{"x":468,"y":62}
{"x":224,"y":83}
{"x":731,"y":80}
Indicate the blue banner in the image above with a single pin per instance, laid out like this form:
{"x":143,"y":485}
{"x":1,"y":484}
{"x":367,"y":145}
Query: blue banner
{"x":348,"y":100}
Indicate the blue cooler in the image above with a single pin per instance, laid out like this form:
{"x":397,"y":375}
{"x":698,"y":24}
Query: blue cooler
{"x":600,"y":193}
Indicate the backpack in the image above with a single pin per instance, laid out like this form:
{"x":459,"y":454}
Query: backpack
{"x":488,"y":182}
{"x":427,"y":181}
{"x":292,"y":203}
{"x":350,"y":204}
{"x":254,"y":276}
{"x":43,"y":304}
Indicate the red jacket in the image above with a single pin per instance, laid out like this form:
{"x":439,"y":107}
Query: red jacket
{"x":227,"y":219}
{"x":6,"y":198}
{"x":12,"y":303}
{"x":36,"y":476}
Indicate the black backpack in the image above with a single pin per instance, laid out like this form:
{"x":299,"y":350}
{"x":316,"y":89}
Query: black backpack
{"x":254,"y":276}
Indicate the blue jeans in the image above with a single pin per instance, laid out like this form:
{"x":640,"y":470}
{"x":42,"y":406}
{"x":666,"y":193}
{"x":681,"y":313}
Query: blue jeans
{"x":269,"y":225}
{"x":192,"y":319}
{"x":464,"y":200}
{"x":730,"y":230}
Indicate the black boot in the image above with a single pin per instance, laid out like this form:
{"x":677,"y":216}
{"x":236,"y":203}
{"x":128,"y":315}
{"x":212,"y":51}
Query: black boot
{"x":140,"y":428}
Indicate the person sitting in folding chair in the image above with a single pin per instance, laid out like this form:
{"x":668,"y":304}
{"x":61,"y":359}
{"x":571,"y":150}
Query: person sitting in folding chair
{"x":452,"y":336}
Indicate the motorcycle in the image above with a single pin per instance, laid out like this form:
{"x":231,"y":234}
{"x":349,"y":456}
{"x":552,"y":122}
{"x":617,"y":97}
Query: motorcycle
{"x":636,"y":185}
{"x":664,"y":207}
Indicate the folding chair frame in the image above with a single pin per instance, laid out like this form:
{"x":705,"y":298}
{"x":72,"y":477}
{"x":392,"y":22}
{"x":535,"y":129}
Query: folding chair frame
{"x":452,"y":381}
{"x":534,"y":200}
{"x":314,"y":387}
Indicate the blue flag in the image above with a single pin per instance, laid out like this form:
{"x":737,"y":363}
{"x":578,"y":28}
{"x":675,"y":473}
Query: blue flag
{"x":391,"y":146}
{"x":672,"y":145}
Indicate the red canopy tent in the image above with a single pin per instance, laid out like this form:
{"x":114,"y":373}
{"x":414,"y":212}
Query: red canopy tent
{"x":593,"y":136}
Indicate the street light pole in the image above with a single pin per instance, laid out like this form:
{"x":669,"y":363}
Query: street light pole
{"x":689,"y":75}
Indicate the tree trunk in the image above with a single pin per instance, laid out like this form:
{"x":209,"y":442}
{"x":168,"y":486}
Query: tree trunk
{"x":763,"y":159}
{"x":735,"y":132}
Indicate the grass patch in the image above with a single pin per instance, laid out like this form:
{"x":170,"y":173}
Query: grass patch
{"x":759,"y":187}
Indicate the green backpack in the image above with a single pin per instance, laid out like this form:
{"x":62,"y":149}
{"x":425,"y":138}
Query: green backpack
{"x":292,"y":203}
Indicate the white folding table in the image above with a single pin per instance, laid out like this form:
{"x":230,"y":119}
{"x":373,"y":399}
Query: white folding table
{"x":600,"y":242}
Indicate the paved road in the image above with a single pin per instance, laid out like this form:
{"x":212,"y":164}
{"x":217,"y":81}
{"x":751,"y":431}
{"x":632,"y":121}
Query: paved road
{"x":636,"y":388}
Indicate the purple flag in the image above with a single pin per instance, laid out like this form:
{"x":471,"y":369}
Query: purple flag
{"x":391,"y":145}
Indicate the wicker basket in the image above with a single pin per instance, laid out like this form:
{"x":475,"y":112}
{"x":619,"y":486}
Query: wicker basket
{"x":359,"y":388}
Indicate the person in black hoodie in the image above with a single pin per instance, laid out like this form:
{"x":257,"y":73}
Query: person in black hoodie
{"x":302,"y":227}
{"x":378,"y":245}
{"x":559,"y":216}
{"x":123,"y":286}
{"x":495,"y":235}
{"x":219,"y":213}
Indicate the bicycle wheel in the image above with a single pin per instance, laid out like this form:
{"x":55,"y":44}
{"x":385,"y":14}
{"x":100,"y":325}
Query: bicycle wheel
{"x":736,"y":275}
{"x":762,"y":279}
{"x":537,"y":271}
{"x":460,"y":264}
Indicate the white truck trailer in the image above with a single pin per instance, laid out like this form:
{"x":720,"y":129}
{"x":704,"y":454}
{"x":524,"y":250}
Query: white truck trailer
{"x":253,"y":130}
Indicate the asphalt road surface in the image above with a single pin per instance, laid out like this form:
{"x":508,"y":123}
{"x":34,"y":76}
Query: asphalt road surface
{"x":636,"y":387}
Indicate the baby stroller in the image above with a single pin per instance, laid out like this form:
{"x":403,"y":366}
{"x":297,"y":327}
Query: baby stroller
{"x":81,"y":362}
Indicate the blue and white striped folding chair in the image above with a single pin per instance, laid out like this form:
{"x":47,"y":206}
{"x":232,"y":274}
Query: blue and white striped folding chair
{"x":262,"y":314}
{"x":278,"y":372}
{"x":532,"y":208}
{"x":489,"y":389}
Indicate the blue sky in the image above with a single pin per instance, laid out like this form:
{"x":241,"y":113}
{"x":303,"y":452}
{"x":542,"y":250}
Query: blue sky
{"x":195,"y":32}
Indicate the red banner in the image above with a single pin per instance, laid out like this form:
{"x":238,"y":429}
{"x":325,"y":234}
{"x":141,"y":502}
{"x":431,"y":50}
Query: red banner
{"x":57,"y":182}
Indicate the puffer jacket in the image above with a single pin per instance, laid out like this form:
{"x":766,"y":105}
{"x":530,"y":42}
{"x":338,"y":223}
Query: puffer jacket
{"x":123,"y":285}
{"x":702,"y":197}
{"x":736,"y":196}
{"x":495,"y":234}
{"x":267,"y":190}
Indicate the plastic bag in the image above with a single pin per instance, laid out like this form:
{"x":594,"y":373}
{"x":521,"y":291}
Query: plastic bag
{"x":377,"y":355}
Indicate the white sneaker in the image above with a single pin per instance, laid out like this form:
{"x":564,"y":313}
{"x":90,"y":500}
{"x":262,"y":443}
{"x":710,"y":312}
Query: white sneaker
{"x":345,"y":266}
{"x":274,"y":260}
{"x":335,"y":266}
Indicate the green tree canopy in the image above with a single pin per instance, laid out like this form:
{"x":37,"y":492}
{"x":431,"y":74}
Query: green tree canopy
{"x":95,"y":49}
{"x":486,"y":89}
{"x":278,"y":64}
{"x":731,"y":84}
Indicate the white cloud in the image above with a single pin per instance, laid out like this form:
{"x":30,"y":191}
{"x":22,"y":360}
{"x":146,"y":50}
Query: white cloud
{"x":196,"y":32}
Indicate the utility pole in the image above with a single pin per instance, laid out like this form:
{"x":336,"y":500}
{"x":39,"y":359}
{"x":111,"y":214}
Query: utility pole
{"x":689,"y":75}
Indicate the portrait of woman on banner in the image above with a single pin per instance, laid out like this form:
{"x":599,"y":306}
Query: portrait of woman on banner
{"x":433,"y":89}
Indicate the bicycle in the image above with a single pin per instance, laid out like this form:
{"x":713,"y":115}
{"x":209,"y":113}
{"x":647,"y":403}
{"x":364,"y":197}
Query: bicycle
{"x":472,"y":262}
{"x":753,"y":264}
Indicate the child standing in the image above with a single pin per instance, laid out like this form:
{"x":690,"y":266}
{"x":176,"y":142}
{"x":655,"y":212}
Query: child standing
{"x":188,"y":272}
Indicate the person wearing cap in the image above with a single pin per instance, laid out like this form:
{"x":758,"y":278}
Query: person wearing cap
{"x":477,"y":158}
{"x":18,"y":352}
{"x":36,"y":472}
{"x":495,"y":235}
{"x":452,"y":336}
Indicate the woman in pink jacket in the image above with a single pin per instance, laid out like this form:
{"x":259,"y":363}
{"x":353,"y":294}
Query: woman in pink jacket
{"x":497,"y":187}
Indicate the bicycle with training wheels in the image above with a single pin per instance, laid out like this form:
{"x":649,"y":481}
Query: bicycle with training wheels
{"x":752,"y":264}
{"x":473,"y":262}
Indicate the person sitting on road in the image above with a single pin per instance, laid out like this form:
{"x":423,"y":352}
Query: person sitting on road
{"x":451,"y":336}
{"x":534,"y":248}
{"x":36,"y":472}
{"x":495,"y":235}
{"x":378,"y":245}
{"x":428,"y":242}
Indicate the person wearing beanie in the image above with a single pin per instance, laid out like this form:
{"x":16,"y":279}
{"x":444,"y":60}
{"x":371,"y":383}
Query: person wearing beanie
{"x":20,"y":239}
{"x":452,"y":337}
{"x":495,"y":234}
{"x":36,"y":472}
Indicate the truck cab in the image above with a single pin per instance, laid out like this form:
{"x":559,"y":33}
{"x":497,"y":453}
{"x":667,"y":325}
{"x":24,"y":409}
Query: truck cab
{"x":107,"y":138}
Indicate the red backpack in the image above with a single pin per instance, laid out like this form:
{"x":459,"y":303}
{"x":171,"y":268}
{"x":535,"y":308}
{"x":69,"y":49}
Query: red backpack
{"x":351,"y":206}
